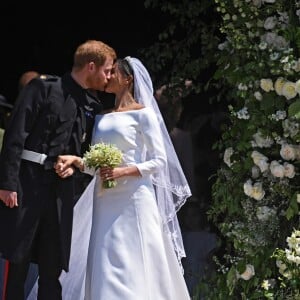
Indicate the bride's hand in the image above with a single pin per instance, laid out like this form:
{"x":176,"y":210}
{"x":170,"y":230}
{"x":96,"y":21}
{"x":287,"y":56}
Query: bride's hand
{"x":64,"y":165}
{"x":63,"y":162}
{"x":107,"y":173}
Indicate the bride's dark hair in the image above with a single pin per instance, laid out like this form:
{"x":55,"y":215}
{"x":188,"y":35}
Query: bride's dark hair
{"x":125,"y":67}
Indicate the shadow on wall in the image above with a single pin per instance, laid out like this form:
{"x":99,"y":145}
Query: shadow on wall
{"x":205,"y":129}
{"x":199,"y":236}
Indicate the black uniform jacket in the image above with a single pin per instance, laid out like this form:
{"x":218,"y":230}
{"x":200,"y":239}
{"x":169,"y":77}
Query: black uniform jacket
{"x":54,"y":116}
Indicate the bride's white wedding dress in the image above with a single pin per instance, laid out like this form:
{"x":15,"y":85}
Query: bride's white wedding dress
{"x":130,"y":257}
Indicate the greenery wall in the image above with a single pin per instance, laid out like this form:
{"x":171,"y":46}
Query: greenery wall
{"x":255,"y":196}
{"x":245,"y":53}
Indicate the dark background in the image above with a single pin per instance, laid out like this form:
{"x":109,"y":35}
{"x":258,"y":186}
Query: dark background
{"x":46,"y":40}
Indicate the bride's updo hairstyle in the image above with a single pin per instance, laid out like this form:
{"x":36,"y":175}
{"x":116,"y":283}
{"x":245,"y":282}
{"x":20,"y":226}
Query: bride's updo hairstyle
{"x":126,"y":69}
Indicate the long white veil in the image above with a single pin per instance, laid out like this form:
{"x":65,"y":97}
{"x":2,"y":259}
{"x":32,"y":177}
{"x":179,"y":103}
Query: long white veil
{"x":172,"y":189}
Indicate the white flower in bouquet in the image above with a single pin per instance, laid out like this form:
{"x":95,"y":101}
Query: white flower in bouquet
{"x":103,"y":155}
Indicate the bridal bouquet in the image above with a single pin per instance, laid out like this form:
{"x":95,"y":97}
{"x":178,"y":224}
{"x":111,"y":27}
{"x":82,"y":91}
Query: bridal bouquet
{"x":103,"y":155}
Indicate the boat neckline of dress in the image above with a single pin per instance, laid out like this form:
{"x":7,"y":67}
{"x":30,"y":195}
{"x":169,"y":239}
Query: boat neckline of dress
{"x":122,"y":111}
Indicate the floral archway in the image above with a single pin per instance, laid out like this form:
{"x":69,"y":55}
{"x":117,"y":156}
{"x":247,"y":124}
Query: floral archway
{"x":256,"y":193}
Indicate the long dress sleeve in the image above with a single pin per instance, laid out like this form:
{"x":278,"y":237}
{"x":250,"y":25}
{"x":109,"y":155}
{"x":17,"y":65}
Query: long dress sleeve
{"x":155,"y":156}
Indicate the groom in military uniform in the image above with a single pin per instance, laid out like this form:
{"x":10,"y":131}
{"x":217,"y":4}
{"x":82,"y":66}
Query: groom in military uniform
{"x":52,"y":116}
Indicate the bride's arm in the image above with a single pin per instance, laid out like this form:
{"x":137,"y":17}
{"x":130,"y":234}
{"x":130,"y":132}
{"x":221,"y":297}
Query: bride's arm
{"x":65,"y":165}
{"x":156,"y":156}
{"x":65,"y":162}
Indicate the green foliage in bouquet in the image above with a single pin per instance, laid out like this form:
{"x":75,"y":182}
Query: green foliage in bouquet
{"x":103,"y":155}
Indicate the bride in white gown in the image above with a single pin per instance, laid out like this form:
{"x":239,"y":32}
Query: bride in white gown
{"x":133,"y":237}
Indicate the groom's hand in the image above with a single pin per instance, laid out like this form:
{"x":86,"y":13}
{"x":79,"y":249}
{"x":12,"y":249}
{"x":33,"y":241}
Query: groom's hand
{"x":9,"y":198}
{"x":64,"y":173}
{"x":64,"y":165}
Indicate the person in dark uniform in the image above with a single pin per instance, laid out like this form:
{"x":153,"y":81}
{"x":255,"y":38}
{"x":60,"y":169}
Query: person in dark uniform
{"x":26,"y":77}
{"x":5,"y":110}
{"x":52,"y":116}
